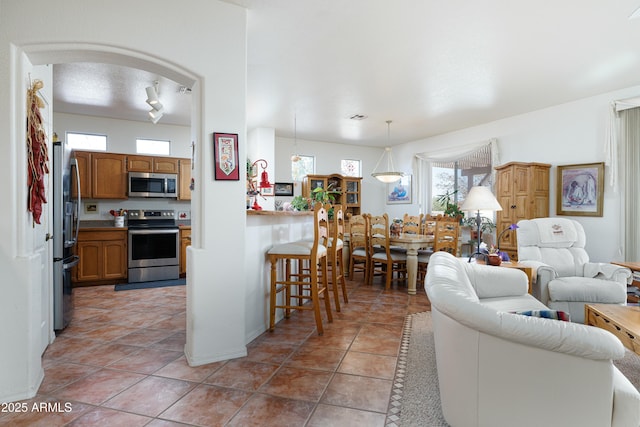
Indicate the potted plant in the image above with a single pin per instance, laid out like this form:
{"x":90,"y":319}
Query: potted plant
{"x":450,"y":209}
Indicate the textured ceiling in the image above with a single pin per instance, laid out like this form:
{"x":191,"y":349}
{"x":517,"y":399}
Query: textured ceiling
{"x":430,"y":66}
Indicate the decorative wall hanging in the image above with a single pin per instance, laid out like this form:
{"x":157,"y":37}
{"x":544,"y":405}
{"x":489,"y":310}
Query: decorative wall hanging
{"x":580,"y":189}
{"x":399,"y":192}
{"x":225,"y":152}
{"x":37,"y":152}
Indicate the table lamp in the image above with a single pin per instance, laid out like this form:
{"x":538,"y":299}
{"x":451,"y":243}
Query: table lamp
{"x":480,"y":198}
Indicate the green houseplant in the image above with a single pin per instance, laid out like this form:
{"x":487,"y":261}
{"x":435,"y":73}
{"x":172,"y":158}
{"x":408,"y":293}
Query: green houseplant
{"x":318,"y":195}
{"x":450,"y":209}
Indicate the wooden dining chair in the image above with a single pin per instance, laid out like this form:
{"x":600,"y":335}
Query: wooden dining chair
{"x":303,"y":287}
{"x":412,"y":224}
{"x":336,"y":246}
{"x":428,"y":228}
{"x":382,"y":260}
{"x":358,"y":246}
{"x":446,"y":234}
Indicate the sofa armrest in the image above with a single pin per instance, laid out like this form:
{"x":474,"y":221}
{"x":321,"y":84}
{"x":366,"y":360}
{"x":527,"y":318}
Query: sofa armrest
{"x":542,"y":275}
{"x":492,"y":282}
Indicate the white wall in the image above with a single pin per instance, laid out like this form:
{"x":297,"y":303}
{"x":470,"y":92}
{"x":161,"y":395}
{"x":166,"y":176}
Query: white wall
{"x":122,"y":134}
{"x":327,"y":157}
{"x":570,"y":133}
{"x":76,"y":30}
{"x":121,"y":138}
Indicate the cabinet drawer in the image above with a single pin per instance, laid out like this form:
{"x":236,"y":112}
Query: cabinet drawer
{"x":628,"y":340}
{"x":85,"y":236}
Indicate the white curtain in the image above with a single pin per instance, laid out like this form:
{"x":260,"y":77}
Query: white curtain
{"x":630,"y":153}
{"x":422,"y":164}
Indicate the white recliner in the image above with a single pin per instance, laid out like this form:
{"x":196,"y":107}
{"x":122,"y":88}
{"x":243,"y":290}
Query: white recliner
{"x":564,"y":278}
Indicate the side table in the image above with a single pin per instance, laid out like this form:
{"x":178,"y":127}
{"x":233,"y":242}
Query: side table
{"x":633,"y":290}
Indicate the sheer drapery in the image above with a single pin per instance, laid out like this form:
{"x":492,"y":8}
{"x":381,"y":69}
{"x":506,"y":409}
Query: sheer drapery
{"x":630,"y":150}
{"x":423,"y":163}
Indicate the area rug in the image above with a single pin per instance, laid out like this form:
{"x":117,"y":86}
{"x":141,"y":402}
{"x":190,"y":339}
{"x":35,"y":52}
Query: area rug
{"x":415,"y":396}
{"x":154,"y":284}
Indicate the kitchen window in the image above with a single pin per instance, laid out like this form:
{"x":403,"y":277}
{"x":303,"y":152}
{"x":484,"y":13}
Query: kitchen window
{"x":153,"y":147}
{"x":87,"y":141}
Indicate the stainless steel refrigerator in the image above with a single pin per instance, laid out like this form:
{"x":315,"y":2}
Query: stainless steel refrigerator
{"x":66,"y":220}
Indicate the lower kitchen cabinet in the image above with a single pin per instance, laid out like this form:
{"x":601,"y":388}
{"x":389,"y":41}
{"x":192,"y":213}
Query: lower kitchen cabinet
{"x":103,"y":255}
{"x":185,"y":240}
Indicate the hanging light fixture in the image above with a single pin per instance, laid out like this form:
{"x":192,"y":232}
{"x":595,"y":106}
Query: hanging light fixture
{"x":390,"y":175}
{"x":295,"y":157}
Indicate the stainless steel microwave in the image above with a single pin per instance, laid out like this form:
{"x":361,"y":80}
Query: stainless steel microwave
{"x":145,"y":184}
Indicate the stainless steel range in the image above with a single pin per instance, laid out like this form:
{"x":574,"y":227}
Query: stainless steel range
{"x":154,"y":245}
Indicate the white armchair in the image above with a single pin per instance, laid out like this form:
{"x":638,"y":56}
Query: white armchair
{"x":564,"y":279}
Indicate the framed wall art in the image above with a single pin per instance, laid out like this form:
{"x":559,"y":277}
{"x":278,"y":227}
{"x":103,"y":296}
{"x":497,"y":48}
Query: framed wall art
{"x":266,"y":191}
{"x":400,"y":191}
{"x":283,"y":188}
{"x":225,"y":153}
{"x":580,"y":189}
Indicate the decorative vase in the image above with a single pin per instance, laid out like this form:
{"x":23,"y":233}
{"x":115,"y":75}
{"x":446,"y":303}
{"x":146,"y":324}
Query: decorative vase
{"x":396,"y":227}
{"x":494,"y":259}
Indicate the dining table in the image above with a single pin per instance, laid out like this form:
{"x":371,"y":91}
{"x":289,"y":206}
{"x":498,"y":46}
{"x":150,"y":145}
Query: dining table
{"x":411,"y":242}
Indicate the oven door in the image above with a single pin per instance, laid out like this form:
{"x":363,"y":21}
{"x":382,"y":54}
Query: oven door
{"x":153,"y":247}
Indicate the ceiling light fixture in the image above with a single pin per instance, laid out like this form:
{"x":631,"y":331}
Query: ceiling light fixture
{"x":155,"y":115}
{"x":152,"y":96}
{"x":390,"y":175}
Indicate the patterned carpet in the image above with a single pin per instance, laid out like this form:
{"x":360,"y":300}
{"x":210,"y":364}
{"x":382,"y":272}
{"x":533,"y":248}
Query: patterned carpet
{"x":415,"y":397}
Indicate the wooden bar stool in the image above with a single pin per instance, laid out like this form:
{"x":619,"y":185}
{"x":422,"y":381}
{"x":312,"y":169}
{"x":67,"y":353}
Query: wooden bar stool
{"x":302,"y":289}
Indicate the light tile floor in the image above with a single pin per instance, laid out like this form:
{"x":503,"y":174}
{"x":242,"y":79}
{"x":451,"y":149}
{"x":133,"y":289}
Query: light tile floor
{"x":121,"y":363}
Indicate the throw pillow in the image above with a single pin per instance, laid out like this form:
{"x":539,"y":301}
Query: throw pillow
{"x":547,"y":314}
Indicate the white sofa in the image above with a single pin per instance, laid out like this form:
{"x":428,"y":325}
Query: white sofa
{"x":497,"y":368}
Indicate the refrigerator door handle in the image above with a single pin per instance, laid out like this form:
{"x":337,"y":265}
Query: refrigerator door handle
{"x":70,"y":265}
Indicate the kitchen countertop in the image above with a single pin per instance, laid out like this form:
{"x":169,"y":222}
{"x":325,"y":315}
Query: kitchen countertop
{"x":93,"y":225}
{"x":280,"y":213}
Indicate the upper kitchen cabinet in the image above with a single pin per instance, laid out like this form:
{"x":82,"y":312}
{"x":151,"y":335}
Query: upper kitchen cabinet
{"x":137,"y":163}
{"x":184,"y":180}
{"x":108,"y":176}
{"x":83,"y":162}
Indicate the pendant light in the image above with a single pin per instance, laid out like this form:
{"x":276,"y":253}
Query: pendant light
{"x":391,"y":175}
{"x":295,"y":157}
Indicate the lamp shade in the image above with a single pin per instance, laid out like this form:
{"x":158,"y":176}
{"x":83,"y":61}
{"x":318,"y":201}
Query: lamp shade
{"x":387,"y":177}
{"x":480,"y":198}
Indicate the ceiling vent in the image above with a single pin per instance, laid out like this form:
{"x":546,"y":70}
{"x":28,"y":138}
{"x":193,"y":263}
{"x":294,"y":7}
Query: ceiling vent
{"x":358,"y":117}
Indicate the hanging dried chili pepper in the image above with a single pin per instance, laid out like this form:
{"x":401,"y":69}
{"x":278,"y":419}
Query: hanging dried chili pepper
{"x":37,"y":152}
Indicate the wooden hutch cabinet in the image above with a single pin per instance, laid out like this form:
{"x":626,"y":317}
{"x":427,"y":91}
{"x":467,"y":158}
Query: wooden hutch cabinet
{"x":522,"y":189}
{"x":348,"y":187}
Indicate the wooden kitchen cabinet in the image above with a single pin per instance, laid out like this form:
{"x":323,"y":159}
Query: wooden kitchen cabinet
{"x":136,"y":163}
{"x":108,"y":176}
{"x":83,"y":162}
{"x":184,"y":180}
{"x":522,"y":189}
{"x":103,"y":255}
{"x":185,"y":240}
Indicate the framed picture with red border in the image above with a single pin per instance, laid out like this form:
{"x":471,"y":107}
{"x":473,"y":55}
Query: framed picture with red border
{"x":225,"y":153}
